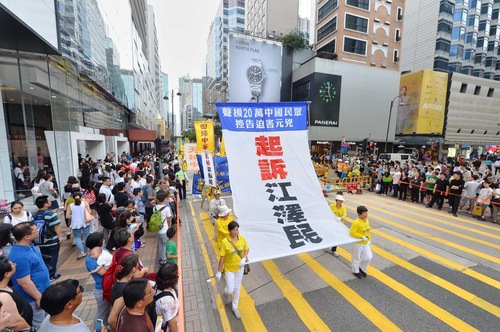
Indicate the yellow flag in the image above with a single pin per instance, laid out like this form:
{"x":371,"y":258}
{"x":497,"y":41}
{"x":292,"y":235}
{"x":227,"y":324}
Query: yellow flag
{"x":222,"y":147}
{"x":204,"y":136}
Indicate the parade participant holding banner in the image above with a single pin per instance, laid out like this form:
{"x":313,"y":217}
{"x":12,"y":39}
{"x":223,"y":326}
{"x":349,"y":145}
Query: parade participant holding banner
{"x":361,"y":251}
{"x":340,"y":213}
{"x":233,"y":265}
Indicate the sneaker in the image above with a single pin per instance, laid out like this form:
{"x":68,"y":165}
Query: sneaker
{"x":20,"y":196}
{"x":81,"y":255}
{"x":336,"y":254}
{"x":363,"y":273}
{"x":358,"y":275}
{"x":55,"y":277}
{"x":236,"y":313}
{"x":482,"y":218}
{"x":73,"y":244}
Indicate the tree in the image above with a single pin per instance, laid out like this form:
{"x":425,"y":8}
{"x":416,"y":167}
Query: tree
{"x":191,"y":134}
{"x":295,"y":41}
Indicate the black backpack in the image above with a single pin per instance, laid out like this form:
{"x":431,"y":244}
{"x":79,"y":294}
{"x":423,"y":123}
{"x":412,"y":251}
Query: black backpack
{"x":151,"y":308}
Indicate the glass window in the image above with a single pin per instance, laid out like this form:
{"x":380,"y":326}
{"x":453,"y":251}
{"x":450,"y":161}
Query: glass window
{"x":356,"y":23}
{"x":441,"y":63}
{"x":454,"y":67}
{"x":327,"y":29}
{"x":494,"y":14}
{"x":354,"y":46}
{"x":491,"y":46}
{"x":327,"y":8}
{"x":442,"y":45}
{"x":445,"y":26}
{"x":457,"y":51}
{"x":330,"y":47}
{"x":363,"y":4}
{"x":473,"y":3}
{"x":473,"y":21}
{"x":471,"y":37}
{"x":460,"y":15}
{"x":446,"y":7}
{"x":484,"y":26}
{"x":469,"y":53}
{"x":458,"y":33}
{"x":486,"y":9}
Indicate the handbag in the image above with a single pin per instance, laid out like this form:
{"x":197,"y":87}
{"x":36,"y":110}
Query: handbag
{"x":477,"y":211}
{"x":88,"y":216}
{"x":246,"y":267}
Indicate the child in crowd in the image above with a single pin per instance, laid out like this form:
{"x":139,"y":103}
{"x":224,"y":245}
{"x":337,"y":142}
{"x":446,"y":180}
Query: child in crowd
{"x":103,"y":257}
{"x":171,"y":247}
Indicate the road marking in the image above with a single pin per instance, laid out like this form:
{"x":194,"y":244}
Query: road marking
{"x":448,"y":223}
{"x":306,"y":313}
{"x":432,"y":237}
{"x":249,"y":316}
{"x":441,"y":229}
{"x":416,"y":298}
{"x":220,"y":305}
{"x":452,"y":288}
{"x":358,"y":302}
{"x":462,"y":220}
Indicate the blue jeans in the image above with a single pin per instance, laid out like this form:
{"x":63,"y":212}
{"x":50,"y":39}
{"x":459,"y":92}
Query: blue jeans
{"x":52,"y":251}
{"x":78,"y":240}
{"x":38,"y":315}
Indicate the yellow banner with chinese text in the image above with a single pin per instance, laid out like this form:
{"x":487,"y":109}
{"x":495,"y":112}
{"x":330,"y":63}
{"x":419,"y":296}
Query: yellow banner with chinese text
{"x":204,"y":136}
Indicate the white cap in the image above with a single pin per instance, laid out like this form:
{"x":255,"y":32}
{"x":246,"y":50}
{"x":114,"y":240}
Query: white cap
{"x":339,"y":198}
{"x":224,"y":211}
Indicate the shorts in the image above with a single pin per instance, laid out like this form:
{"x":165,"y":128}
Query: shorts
{"x":54,"y":205}
{"x":466,"y":200}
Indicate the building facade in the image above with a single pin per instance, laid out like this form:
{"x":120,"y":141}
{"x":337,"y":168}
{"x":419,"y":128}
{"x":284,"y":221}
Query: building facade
{"x":364,"y":32}
{"x":230,"y":17}
{"x":465,"y":37}
{"x":271,"y":18}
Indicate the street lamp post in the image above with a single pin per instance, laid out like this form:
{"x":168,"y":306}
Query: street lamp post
{"x":389,"y":123}
{"x":172,"y":133}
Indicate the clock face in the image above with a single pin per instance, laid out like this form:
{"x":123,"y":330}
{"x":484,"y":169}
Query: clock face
{"x":327,"y":92}
{"x":254,"y":74}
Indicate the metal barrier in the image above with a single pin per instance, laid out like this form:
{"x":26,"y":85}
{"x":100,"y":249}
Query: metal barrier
{"x":353,"y":183}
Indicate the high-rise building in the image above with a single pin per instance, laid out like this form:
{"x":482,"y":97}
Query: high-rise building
{"x":364,"y":32}
{"x":304,"y":26}
{"x":270,"y":18}
{"x":459,"y":36}
{"x":166,"y":102}
{"x":191,"y":105}
{"x":230,"y":17}
{"x":154,"y":61}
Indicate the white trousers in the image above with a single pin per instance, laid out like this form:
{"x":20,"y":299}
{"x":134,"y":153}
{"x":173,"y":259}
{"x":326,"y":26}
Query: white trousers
{"x":361,"y":257}
{"x":233,"y":285}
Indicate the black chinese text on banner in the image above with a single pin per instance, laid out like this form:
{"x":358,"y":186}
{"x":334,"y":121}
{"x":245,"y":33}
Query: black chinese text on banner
{"x":277,"y":196}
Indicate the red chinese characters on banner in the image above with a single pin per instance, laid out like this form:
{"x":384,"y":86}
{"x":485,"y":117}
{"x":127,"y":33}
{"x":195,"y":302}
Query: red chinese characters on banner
{"x":270,"y":169}
{"x":192,"y":161}
{"x":204,"y":136}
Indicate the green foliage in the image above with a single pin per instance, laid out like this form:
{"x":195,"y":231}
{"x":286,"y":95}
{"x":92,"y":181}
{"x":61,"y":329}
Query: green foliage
{"x":295,"y":41}
{"x":191,"y":135}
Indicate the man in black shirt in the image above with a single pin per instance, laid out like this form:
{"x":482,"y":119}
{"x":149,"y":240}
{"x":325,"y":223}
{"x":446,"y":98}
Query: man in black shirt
{"x":439,"y":192}
{"x":455,"y":191}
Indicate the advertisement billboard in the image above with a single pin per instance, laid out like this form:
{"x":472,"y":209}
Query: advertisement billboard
{"x":422,"y":103}
{"x":323,"y":90}
{"x":254,"y":70}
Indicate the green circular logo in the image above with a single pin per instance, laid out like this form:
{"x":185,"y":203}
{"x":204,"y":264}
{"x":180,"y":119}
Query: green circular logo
{"x":327,"y":92}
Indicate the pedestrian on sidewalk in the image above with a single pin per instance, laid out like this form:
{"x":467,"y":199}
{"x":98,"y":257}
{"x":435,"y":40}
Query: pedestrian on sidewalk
{"x":166,"y":216}
{"x":361,"y":251}
{"x":80,"y":227}
{"x":454,"y":191}
{"x":340,"y":213}
{"x":233,"y":265}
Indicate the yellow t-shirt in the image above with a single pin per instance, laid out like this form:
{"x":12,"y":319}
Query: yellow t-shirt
{"x":339,"y":212}
{"x":360,"y":228}
{"x":222,"y":230}
{"x":232,"y":259}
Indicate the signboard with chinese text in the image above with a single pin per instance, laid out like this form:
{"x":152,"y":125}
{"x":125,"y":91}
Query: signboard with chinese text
{"x":191,"y":157}
{"x":209,"y":169}
{"x":204,"y":135}
{"x":221,"y":171}
{"x":277,"y":196}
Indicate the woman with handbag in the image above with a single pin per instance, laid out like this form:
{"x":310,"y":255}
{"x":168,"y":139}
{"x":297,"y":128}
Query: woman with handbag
{"x":80,"y":215}
{"x":233,"y":265}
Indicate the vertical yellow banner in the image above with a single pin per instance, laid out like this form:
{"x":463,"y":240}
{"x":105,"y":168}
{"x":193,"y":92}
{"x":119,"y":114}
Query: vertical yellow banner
{"x":204,"y":136}
{"x":222,"y":147}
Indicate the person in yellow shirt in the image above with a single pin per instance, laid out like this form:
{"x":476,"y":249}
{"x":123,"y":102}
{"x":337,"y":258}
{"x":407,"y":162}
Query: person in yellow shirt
{"x":222,"y":223}
{"x":361,"y":251}
{"x":340,"y":212}
{"x":233,"y":257}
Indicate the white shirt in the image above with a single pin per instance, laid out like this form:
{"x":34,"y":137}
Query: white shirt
{"x":77,"y":215}
{"x":105,"y":258}
{"x":105,"y":190}
{"x":17,"y":220}
{"x":18,"y":173}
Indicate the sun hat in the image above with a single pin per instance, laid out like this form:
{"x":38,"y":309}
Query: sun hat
{"x":224,"y":211}
{"x":339,"y":198}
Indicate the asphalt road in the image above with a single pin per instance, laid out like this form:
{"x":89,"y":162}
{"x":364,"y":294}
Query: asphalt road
{"x":430,"y":272}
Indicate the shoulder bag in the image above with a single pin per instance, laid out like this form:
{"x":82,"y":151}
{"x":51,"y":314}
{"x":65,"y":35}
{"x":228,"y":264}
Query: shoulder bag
{"x":246,"y":267}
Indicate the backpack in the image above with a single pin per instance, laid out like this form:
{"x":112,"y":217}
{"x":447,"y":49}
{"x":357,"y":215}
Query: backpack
{"x":89,"y":196}
{"x":109,"y":277}
{"x":156,"y":221}
{"x":151,"y":308}
{"x":144,"y":193}
{"x":45,"y":232}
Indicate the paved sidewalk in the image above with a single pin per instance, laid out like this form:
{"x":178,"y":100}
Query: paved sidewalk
{"x":199,"y":315}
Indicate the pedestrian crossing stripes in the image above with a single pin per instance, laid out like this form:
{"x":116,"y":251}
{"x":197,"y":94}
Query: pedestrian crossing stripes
{"x":459,"y":244}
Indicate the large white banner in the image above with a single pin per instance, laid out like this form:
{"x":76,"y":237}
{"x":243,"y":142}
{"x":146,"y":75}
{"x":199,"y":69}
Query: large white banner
{"x":209,"y":169}
{"x":254,"y":69}
{"x":278,"y":201}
